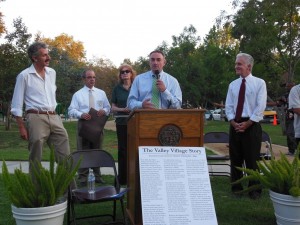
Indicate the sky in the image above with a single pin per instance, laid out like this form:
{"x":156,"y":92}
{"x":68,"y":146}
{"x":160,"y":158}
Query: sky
{"x":115,"y":29}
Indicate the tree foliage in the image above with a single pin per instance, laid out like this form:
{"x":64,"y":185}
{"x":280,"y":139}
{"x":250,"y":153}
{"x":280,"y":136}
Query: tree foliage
{"x":218,"y":55}
{"x":13,"y":58}
{"x":65,"y":43}
{"x":106,"y":75}
{"x":266,"y":29}
{"x":68,"y":75}
{"x":270,"y":31}
{"x":2,"y":24}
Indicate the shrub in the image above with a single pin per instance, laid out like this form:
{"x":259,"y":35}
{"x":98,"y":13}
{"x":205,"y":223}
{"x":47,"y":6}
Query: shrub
{"x":43,"y":188}
{"x":281,"y":175}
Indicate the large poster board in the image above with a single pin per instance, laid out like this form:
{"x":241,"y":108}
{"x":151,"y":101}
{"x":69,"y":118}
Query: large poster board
{"x":175,"y":186}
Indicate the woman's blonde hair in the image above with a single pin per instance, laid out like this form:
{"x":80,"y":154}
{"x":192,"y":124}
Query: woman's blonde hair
{"x":132,"y":71}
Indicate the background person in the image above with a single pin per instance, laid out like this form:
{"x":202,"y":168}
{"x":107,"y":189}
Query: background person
{"x":288,"y":117}
{"x":118,"y":106}
{"x":79,"y":108}
{"x":141,"y":92}
{"x":245,"y":133}
{"x":35,"y":86}
{"x":294,"y":105}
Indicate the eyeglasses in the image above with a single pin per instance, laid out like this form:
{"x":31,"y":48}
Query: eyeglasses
{"x":125,"y":71}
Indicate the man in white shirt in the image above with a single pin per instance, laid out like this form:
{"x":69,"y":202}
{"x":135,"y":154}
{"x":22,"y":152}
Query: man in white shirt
{"x":294,"y":105}
{"x":35,"y":86}
{"x":245,"y":133}
{"x":82,"y":101}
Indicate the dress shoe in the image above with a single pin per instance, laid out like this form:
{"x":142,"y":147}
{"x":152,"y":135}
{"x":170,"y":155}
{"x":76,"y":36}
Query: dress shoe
{"x":236,"y":189}
{"x":290,"y":153}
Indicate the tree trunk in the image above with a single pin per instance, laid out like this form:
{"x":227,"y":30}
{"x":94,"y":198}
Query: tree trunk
{"x":7,"y":117}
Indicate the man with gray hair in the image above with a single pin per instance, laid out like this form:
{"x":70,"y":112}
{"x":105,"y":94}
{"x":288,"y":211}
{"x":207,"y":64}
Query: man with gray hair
{"x":35,"y":86}
{"x":245,"y":103}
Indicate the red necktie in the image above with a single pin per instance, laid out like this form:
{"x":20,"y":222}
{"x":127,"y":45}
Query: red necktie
{"x":240,"y":105}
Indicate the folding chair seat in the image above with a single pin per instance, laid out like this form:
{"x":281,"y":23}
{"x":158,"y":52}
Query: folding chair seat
{"x":217,"y":137}
{"x":103,"y":193}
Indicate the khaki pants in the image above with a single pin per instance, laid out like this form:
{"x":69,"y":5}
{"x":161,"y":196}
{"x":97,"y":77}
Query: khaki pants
{"x":46,"y":128}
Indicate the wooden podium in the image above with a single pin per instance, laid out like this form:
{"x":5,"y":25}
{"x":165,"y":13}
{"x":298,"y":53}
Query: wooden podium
{"x":158,"y":127}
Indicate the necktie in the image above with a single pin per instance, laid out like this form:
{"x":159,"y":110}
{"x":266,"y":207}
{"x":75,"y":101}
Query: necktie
{"x":155,"y":93}
{"x":241,"y":100}
{"x":91,"y":99}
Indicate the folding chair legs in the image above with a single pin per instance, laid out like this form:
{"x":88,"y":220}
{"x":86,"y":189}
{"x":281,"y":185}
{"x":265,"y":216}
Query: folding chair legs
{"x":72,"y":219}
{"x":71,"y":214}
{"x":123,"y":211}
{"x":115,"y":209}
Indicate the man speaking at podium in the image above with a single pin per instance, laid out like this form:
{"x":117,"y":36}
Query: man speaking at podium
{"x":155,"y":89}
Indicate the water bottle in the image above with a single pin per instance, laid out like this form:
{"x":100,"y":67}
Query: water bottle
{"x":91,"y":182}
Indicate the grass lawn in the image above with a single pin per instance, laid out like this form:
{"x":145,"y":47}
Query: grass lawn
{"x":12,"y":147}
{"x":230,"y":210}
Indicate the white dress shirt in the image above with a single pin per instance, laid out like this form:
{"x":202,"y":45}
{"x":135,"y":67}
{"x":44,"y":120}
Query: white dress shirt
{"x":294,"y":103}
{"x":255,"y":98}
{"x":37,"y":93}
{"x":80,"y":102}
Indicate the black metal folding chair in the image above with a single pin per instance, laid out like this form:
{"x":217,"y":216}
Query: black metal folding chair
{"x":267,"y":140}
{"x":217,"y":137}
{"x":103,"y":193}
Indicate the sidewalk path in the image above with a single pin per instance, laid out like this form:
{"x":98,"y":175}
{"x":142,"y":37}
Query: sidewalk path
{"x":110,"y":125}
{"x":12,"y":165}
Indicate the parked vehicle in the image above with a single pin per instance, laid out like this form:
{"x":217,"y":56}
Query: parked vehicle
{"x":208,"y":115}
{"x":219,"y":114}
{"x":269,"y":114}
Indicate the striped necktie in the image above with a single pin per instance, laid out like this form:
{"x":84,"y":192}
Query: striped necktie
{"x":155,"y":93}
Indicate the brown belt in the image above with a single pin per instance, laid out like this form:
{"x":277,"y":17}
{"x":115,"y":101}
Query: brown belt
{"x":40,"y":112}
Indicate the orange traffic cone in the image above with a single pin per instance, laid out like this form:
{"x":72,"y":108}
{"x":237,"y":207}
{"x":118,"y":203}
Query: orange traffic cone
{"x":275,"y":120}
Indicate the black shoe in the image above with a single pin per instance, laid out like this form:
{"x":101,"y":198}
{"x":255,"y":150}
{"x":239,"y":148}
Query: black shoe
{"x":236,"y":191}
{"x":254,"y":195}
{"x":290,"y":153}
{"x":123,"y":183}
{"x":236,"y":188}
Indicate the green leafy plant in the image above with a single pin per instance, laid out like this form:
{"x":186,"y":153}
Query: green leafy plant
{"x":43,"y":188}
{"x":279,"y":175}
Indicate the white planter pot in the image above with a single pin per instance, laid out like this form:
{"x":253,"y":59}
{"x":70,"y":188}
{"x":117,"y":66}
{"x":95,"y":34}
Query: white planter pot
{"x":51,"y":215}
{"x":287,"y":208}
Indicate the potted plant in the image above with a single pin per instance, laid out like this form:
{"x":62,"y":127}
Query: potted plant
{"x":282,"y":178}
{"x":39,"y":198}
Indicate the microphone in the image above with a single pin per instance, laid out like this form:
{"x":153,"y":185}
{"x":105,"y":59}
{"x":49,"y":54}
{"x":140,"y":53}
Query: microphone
{"x":156,"y":72}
